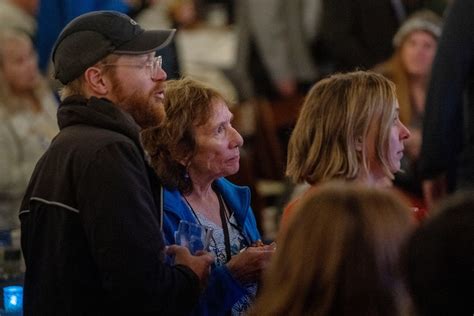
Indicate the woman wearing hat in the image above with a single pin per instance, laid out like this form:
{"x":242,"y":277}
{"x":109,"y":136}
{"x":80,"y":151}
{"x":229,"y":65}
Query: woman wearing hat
{"x":409,"y":68}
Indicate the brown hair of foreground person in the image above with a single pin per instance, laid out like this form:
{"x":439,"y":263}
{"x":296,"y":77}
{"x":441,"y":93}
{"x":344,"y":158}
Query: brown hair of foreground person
{"x":439,"y":259}
{"x":340,"y":256}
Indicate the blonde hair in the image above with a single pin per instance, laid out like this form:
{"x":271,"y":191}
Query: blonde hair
{"x":334,"y":121}
{"x":9,"y":100}
{"x":340,"y":256}
{"x":188,"y":104}
{"x":74,"y":87}
{"x":394,"y":70}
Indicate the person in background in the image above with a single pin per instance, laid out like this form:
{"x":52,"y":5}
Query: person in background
{"x":19,"y":15}
{"x":447,"y":151}
{"x":274,"y":55}
{"x":358,"y":34}
{"x":439,"y":259}
{"x":90,"y":218}
{"x":340,"y":256}
{"x":349,"y":129}
{"x":27,"y":120}
{"x":410,"y":69}
{"x":192,"y":150}
{"x":273,"y":69}
{"x":177,"y":14}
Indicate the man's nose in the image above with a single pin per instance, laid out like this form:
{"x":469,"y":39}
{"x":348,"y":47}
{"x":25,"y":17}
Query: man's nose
{"x":160,"y":75}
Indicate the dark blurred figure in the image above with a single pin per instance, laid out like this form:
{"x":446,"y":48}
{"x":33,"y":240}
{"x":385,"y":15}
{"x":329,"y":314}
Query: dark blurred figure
{"x":179,"y":14}
{"x":410,"y":69}
{"x":275,"y":67}
{"x":358,"y":33}
{"x":274,"y":58}
{"x":447,"y":153}
{"x":439,"y":260}
{"x":229,"y":6}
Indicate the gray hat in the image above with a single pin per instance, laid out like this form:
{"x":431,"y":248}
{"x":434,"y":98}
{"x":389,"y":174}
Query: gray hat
{"x":424,"y":20}
{"x":92,"y":36}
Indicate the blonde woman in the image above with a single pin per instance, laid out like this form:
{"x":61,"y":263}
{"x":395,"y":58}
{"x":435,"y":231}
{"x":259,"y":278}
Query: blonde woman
{"x":348,"y":129}
{"x":340,"y":256}
{"x":28,"y":120}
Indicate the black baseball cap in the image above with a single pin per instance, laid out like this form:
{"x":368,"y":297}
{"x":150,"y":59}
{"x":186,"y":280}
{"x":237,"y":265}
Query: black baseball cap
{"x":92,"y":36}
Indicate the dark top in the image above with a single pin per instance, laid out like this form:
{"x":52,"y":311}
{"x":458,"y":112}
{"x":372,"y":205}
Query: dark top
{"x":90,"y":223}
{"x":448,"y":133}
{"x":358,"y":33}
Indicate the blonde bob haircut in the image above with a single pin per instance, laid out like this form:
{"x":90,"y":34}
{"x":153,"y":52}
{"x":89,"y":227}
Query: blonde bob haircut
{"x":172,"y":144}
{"x":340,"y":256}
{"x":330,"y":137}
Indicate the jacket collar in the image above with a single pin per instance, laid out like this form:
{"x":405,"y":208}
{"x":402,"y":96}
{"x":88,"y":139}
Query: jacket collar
{"x":236,"y":197}
{"x":101,"y":113}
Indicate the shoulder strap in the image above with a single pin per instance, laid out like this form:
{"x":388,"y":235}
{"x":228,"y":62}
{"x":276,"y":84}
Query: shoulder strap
{"x":224,"y":228}
{"x":161,"y":207}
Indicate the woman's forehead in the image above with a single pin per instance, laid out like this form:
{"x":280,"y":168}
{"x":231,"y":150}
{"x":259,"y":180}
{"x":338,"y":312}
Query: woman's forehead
{"x":219,"y":111}
{"x":219,"y":114}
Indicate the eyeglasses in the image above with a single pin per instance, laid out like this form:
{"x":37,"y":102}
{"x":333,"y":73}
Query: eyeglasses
{"x":153,"y":65}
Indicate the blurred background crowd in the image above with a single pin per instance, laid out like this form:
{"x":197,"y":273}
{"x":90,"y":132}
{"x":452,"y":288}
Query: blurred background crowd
{"x":262,"y":55}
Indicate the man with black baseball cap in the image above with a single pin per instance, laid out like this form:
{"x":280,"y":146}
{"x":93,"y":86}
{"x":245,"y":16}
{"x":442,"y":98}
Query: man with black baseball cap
{"x":90,"y":219}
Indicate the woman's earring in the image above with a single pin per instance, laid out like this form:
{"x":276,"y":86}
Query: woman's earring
{"x":359,"y":144}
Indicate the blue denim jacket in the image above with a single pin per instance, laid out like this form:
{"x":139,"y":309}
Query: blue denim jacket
{"x":222,"y":290}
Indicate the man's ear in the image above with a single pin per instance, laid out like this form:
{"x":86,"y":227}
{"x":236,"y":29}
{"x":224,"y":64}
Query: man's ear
{"x":96,"y":81}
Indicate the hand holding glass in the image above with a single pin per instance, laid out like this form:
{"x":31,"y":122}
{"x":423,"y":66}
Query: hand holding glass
{"x":193,"y":236}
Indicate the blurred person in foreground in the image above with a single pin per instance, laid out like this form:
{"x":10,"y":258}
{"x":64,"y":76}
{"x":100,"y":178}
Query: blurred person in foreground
{"x":349,"y":129}
{"x":439,"y":259}
{"x":410,"y":69}
{"x":447,"y":151}
{"x":90,"y":218}
{"x":192,"y":150}
{"x":27,"y":120}
{"x":340,"y":256}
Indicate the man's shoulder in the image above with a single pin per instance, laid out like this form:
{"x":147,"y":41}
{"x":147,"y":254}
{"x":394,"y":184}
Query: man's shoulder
{"x":84,"y":144}
{"x":91,"y":136}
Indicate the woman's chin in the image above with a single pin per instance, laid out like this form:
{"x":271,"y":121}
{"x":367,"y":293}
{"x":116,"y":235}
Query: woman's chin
{"x":232,"y":170}
{"x":396,"y":168}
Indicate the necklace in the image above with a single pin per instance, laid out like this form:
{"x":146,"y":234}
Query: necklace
{"x":224,"y":220}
